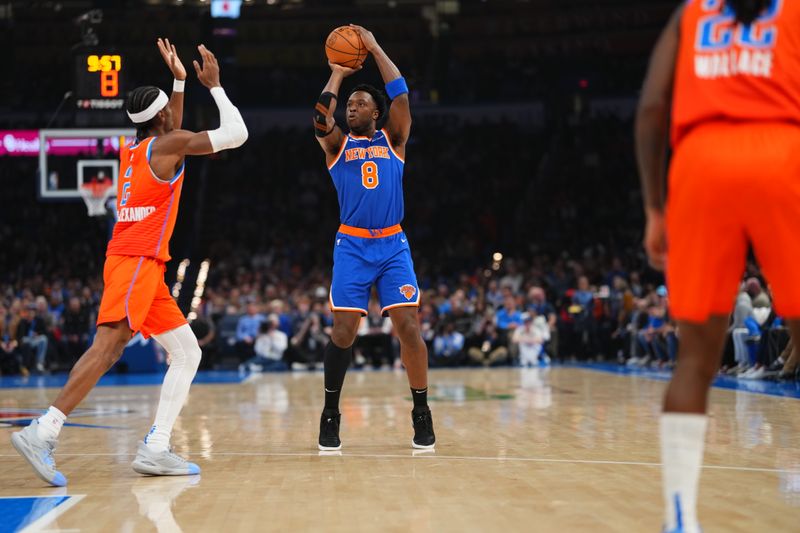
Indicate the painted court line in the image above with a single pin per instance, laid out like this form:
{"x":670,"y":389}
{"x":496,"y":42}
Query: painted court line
{"x":446,"y":457}
{"x":46,"y":519}
{"x":55,"y":495}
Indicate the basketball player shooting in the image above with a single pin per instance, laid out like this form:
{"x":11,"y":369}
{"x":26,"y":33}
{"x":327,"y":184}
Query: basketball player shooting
{"x":366,"y":166}
{"x":135,"y":297}
{"x":729,"y":72}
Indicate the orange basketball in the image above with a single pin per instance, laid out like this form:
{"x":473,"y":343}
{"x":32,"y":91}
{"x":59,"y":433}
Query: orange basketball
{"x":344,"y":47}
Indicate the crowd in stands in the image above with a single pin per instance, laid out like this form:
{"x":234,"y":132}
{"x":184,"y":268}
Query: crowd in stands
{"x":45,"y":325}
{"x":542,"y":265}
{"x":526,"y":313}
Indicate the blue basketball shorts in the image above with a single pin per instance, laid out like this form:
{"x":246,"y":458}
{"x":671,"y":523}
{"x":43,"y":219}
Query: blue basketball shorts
{"x":360,"y":262}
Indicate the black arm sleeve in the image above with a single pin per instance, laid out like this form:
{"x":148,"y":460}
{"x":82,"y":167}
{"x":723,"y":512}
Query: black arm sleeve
{"x":321,"y":114}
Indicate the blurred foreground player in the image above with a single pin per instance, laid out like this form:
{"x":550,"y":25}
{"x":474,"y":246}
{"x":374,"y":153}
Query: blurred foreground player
{"x":730,"y":70}
{"x":135,"y":297}
{"x":366,"y":166}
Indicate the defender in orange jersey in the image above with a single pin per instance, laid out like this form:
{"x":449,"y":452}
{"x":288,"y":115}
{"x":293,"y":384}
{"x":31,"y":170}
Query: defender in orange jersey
{"x":730,"y":71}
{"x":135,"y":297}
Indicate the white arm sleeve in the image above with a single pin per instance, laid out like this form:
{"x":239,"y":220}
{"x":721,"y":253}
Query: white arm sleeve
{"x":232,"y":132}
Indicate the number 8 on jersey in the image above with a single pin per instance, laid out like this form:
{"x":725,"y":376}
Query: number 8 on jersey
{"x":369,"y":175}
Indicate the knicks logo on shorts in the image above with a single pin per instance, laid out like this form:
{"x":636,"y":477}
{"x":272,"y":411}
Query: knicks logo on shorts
{"x":408,"y":291}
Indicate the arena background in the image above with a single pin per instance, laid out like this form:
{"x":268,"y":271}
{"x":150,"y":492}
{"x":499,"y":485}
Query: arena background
{"x":521,"y":142}
{"x":522,"y":205}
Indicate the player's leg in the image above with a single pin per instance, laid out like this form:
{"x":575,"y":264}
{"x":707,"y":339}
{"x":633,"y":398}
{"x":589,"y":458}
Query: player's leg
{"x":683,"y":423}
{"x":413,"y":351}
{"x":399,"y":295}
{"x":37,"y":442}
{"x":336,"y":360}
{"x":167,"y":325}
{"x":414,"y":354}
{"x":774,"y":227}
{"x":154,"y":454}
{"x":184,"y":358}
{"x":349,"y":297}
{"x":130,"y":285}
{"x":706,"y":258}
{"x":338,"y":354}
{"x":105,"y":351}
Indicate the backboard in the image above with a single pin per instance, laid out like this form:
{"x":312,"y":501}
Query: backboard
{"x":70,"y":158}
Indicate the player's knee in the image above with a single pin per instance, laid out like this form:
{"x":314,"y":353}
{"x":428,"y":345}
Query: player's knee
{"x":109,"y":344}
{"x":193,"y":355}
{"x":343,"y":336}
{"x":187,"y":357}
{"x":703,"y":368}
{"x":116,"y":351}
{"x":408,"y":329}
{"x":344,"y":332}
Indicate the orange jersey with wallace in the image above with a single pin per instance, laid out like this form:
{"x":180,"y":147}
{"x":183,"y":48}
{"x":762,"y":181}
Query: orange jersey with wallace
{"x":727,"y":71}
{"x":147,"y":206}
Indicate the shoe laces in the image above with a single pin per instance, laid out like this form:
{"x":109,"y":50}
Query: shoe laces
{"x":423,"y":419}
{"x":329,"y":426}
{"x":48,"y":460}
{"x":176,"y":456}
{"x":47,"y":453}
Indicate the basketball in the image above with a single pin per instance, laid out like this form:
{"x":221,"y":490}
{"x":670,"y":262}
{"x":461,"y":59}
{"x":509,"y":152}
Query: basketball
{"x":344,"y":47}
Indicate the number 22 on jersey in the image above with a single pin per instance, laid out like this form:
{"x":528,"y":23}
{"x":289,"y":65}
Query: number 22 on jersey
{"x":717,"y":30}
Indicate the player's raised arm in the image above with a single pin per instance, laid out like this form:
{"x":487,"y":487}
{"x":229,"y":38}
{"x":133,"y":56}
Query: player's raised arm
{"x":329,"y":135}
{"x":232,"y":131}
{"x":170,"y":55}
{"x":652,"y":125}
{"x":398,"y":126}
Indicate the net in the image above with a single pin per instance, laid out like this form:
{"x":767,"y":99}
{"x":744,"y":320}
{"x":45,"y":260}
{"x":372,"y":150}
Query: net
{"x":95,"y":194}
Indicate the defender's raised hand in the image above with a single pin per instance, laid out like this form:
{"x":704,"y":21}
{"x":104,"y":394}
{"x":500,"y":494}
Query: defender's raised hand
{"x":208,"y":74}
{"x":170,"y":55}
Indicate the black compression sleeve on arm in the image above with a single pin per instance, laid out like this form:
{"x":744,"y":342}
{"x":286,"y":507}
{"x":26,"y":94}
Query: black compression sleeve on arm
{"x":321,"y":114}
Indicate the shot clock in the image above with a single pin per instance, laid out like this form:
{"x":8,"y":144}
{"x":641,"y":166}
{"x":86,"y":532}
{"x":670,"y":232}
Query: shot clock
{"x":99,"y":80}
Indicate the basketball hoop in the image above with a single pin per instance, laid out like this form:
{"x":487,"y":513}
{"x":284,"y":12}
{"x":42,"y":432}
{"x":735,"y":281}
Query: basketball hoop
{"x":95,"y":194}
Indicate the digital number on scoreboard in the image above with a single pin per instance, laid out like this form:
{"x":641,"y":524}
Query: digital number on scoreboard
{"x":99,"y":81}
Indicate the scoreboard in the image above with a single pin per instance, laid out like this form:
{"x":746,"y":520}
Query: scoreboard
{"x":99,"y":80}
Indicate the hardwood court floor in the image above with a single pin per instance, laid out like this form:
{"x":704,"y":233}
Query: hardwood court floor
{"x":560,"y":450}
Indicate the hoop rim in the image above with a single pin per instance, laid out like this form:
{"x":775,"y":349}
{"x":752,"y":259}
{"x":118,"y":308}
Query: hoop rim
{"x":97,"y":189}
{"x":95,"y":195}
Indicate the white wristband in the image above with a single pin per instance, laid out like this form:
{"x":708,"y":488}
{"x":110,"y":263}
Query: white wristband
{"x":177,"y":86}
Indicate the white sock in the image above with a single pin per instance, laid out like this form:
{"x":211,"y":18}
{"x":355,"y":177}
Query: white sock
{"x":181,"y":344}
{"x":682,"y":439}
{"x":50,"y":424}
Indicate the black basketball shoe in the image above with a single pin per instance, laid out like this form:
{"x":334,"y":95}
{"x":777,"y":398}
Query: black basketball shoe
{"x":424,"y":439}
{"x":329,"y":431}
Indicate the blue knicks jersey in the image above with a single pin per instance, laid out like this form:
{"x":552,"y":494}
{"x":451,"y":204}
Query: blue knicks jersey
{"x":368,"y":176}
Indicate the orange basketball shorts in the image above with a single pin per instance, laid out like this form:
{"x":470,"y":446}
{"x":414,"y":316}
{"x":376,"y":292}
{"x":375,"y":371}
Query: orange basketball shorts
{"x":732,"y":185}
{"x":135,"y":290}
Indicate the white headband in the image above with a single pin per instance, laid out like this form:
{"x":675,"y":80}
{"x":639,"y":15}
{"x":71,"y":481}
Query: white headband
{"x":158,"y":104}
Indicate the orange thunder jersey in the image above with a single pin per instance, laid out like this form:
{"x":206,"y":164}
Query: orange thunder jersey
{"x":729,"y":71}
{"x":146,"y":205}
